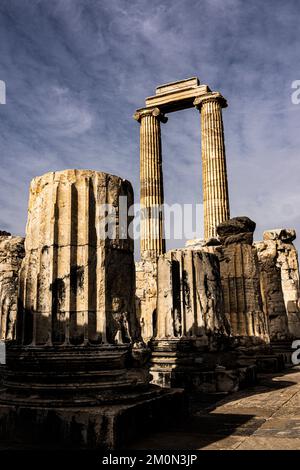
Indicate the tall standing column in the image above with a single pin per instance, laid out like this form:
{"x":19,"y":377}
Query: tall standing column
{"x":151,"y":183}
{"x":214,"y":173}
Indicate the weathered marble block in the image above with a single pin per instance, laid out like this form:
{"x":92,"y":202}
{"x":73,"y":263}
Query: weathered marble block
{"x":77,"y":374}
{"x":280,"y":282}
{"x":11,"y":255}
{"x":192,"y":346}
{"x":189,"y":299}
{"x":76,"y":286}
{"x":240,"y":277}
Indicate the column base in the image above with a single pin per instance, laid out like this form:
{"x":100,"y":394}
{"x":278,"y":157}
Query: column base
{"x":91,"y":427}
{"x":202,"y":371}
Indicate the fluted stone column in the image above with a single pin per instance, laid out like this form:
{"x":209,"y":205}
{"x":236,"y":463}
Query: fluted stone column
{"x":78,"y":372}
{"x":151,"y":183}
{"x":76,"y":284}
{"x":214,"y":173}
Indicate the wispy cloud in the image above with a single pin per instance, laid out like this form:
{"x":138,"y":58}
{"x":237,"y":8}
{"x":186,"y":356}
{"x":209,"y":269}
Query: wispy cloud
{"x":76,"y":70}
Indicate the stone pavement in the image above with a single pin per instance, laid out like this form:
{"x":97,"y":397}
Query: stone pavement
{"x":264,"y":417}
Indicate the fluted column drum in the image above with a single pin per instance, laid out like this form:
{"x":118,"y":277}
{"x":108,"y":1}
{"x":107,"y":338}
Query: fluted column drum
{"x":76,"y":320}
{"x":151,"y":183}
{"x":74,"y":275}
{"x":214,"y":172}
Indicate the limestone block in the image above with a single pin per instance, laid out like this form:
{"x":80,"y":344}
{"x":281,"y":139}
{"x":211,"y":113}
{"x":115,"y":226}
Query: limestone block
{"x":272,"y":294}
{"x":11,"y":255}
{"x":189,"y":299}
{"x":279,"y":256}
{"x":76,"y":285}
{"x":236,"y":230}
{"x":283,"y":234}
{"x":240,"y":276}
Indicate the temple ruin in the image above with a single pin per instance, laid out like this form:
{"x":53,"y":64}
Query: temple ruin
{"x":77,"y":370}
{"x":98,"y":346}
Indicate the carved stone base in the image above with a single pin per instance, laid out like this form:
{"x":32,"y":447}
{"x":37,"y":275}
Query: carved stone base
{"x":214,"y":381}
{"x":285,"y":349}
{"x":64,"y":375}
{"x":176,"y":363}
{"x":109,"y":426}
{"x":80,"y":396}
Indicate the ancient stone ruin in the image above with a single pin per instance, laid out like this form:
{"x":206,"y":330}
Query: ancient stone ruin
{"x":168,"y":287}
{"x":77,"y":371}
{"x":280,"y":282}
{"x":99,"y":347}
{"x":11,"y":255}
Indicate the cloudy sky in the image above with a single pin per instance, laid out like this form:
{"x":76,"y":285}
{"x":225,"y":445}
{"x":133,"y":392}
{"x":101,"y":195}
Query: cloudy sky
{"x":76,"y":70}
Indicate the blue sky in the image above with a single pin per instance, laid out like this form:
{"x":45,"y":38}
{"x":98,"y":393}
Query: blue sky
{"x":76,"y":70}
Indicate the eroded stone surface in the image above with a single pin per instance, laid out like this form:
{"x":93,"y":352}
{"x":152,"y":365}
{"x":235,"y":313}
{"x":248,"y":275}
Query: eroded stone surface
{"x":76,"y":285}
{"x":146,"y":297}
{"x":189,"y":299}
{"x":280,"y":282}
{"x":77,"y":373}
{"x":236,"y":230}
{"x":240,"y":278}
{"x":11,"y":255}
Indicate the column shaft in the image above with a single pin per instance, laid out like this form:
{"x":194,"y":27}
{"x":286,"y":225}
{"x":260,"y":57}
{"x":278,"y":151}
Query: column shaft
{"x":214,"y":173}
{"x":151,"y":183}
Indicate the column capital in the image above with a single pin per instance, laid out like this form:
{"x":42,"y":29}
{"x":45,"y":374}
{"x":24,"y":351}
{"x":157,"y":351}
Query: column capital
{"x":208,"y":97}
{"x":155,"y":112}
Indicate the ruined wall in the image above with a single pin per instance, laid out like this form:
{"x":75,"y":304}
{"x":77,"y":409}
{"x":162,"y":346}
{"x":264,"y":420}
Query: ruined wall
{"x":280,"y":282}
{"x":76,"y":286}
{"x":11,"y":255}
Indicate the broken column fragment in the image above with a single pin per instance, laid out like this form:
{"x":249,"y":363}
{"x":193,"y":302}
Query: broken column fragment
{"x":77,"y":372}
{"x":191,"y":346}
{"x":11,"y":255}
{"x":72,"y":275}
{"x":280,"y":282}
{"x":189,"y":300}
{"x":240,"y":278}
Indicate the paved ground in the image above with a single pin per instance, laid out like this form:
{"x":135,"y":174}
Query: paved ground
{"x":266,"y":416}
